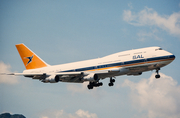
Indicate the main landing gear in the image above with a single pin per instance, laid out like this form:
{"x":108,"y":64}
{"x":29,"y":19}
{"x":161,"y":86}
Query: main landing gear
{"x":111,"y":82}
{"x":91,"y":85}
{"x":94,"y":84}
{"x":157,"y":76}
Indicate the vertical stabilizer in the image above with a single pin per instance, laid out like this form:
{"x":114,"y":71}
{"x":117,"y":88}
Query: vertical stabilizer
{"x":29,"y":58}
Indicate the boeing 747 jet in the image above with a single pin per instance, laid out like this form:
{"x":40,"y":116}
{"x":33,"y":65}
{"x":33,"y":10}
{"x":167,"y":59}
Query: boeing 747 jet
{"x":131,"y":62}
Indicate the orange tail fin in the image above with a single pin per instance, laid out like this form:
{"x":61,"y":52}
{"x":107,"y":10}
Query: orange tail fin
{"x":29,"y":58}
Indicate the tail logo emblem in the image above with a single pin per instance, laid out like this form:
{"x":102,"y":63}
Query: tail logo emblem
{"x":30,"y":59}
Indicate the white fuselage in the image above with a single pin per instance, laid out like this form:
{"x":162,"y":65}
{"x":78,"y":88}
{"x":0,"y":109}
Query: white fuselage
{"x":131,"y":62}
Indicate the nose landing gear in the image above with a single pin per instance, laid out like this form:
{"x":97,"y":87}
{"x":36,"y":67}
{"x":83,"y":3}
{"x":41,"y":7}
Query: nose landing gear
{"x":157,"y":76}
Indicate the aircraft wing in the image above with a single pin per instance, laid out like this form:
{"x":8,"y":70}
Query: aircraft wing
{"x":60,"y":74}
{"x":75,"y":77}
{"x":45,"y":77}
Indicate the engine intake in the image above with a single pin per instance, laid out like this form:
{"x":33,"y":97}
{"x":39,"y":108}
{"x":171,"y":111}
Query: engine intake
{"x":91,"y":77}
{"x":51,"y":79}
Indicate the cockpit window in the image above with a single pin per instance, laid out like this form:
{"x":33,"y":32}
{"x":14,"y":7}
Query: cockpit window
{"x":158,"y":49}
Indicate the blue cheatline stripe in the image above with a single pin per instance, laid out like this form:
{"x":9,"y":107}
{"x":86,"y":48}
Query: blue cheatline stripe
{"x":122,"y":63}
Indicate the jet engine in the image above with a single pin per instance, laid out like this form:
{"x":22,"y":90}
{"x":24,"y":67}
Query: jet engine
{"x":91,"y":77}
{"x":51,"y":79}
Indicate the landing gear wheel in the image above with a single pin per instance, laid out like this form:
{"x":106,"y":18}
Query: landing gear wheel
{"x":111,"y":84}
{"x":90,"y":86}
{"x":100,"y":84}
{"x":157,"y":76}
{"x":112,"y":80}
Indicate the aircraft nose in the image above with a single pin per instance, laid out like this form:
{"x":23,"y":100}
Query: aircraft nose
{"x":172,"y":57}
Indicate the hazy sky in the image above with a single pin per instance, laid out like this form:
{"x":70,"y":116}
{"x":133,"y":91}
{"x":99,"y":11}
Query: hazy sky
{"x":66,"y":31}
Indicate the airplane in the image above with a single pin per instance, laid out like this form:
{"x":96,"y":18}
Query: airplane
{"x":131,"y":62}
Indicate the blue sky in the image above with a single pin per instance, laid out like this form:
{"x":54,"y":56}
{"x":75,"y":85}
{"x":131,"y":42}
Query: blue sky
{"x":68,"y":31}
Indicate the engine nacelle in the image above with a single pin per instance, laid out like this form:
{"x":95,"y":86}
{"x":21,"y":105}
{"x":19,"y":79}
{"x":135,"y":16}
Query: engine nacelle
{"x":51,"y":79}
{"x":91,"y":77}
